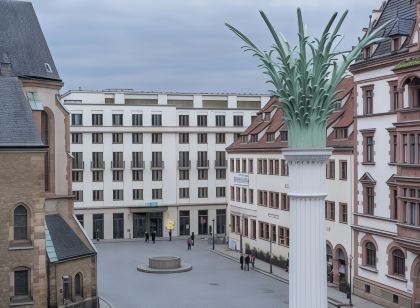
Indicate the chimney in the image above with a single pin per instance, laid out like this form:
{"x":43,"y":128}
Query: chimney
{"x":5,"y":66}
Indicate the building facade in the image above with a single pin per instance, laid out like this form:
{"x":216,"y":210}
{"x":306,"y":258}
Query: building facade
{"x":258,"y":205}
{"x":387,"y":212}
{"x":47,"y":260}
{"x":153,"y":162}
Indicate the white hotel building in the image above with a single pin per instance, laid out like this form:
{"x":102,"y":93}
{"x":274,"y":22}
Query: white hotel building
{"x":258,"y":185}
{"x":142,"y":161}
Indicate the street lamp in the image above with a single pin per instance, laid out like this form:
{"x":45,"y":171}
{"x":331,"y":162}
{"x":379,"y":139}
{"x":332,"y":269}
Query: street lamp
{"x":213,"y":233}
{"x":349,"y":294}
{"x":271,"y":263}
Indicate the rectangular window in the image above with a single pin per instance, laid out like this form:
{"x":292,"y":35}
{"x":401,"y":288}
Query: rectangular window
{"x":156,"y":120}
{"x":117,"y":195}
{"x":220,"y":120}
{"x":244,"y":195}
{"x":394,"y":148}
{"x":156,"y":175}
{"x":98,"y":226}
{"x":251,"y":165}
{"x":370,"y":200}
{"x":330,"y":167}
{"x":221,"y":192}
{"x":184,"y":193}
{"x":156,"y":138}
{"x":270,"y":137}
{"x":220,"y":174}
{"x":78,"y":195}
{"x":156,"y":193}
{"x":76,"y":138}
{"x":202,"y":222}
{"x":220,"y":221}
{"x":137,"y":194}
{"x":77,"y":176}
{"x":117,"y":138}
{"x":284,"y":236}
{"x":98,"y":195}
{"x":238,"y":120}
{"x":253,"y":138}
{"x":137,"y":120}
{"x":137,"y":138}
{"x":368,"y":100}
{"x":184,"y":222}
{"x":232,"y":193}
{"x":80,"y":219}
{"x":117,"y":120}
{"x":369,"y":149}
{"x":329,"y":210}
{"x":117,"y":175}
{"x":77,"y":161}
{"x":97,"y":138}
{"x":97,"y":119}
{"x":183,"y":138}
{"x":343,"y":170}
{"x":220,"y":138}
{"x":21,"y":283}
{"x":341,"y":133}
{"x":184,"y":174}
{"x":184,"y":120}
{"x":118,"y":225}
{"x":243,"y":165}
{"x":137,"y":175}
{"x":238,"y":165}
{"x":76,"y":119}
{"x":343,"y":213}
{"x":202,"y":120}
{"x":283,"y":136}
{"x":251,"y":196}
{"x":412,"y":148}
{"x":202,"y":138}
{"x":285,"y":202}
{"x":404,"y":153}
{"x":97,"y":176}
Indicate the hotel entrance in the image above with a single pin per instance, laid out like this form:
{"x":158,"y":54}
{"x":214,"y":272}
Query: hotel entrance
{"x":150,"y":222}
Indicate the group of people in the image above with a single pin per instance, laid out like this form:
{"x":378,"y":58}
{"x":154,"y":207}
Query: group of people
{"x":146,"y":235}
{"x":246,"y":260}
{"x":190,"y":241}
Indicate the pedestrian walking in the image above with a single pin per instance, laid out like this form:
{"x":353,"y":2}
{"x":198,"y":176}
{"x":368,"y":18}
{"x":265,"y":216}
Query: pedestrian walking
{"x":153,"y":236}
{"x":247,"y":262}
{"x":170,"y":235}
{"x":241,"y":260}
{"x":189,"y":243}
{"x":192,"y":238}
{"x":253,"y":260}
{"x":146,"y":235}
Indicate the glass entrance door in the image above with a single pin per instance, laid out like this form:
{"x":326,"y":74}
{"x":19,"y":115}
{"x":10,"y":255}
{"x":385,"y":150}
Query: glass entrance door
{"x":155,"y":223}
{"x":139,"y":224}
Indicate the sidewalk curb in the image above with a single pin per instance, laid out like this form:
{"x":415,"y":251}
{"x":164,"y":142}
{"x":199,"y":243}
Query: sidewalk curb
{"x":332,"y":301}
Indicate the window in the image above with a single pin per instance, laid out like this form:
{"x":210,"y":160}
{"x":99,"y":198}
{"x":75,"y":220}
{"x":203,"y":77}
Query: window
{"x":220,"y":192}
{"x":244,"y":195}
{"x":404,"y":153}
{"x":202,"y":222}
{"x":98,"y":226}
{"x":117,"y":138}
{"x":137,"y":120}
{"x":394,"y":204}
{"x":78,"y":195}
{"x":21,"y":285}
{"x":77,"y":162}
{"x":184,"y":222}
{"x":66,"y":288}
{"x":330,"y":169}
{"x":184,"y":193}
{"x":137,"y":175}
{"x":97,"y":176}
{"x":183,"y":138}
{"x":156,"y":175}
{"x":78,"y":285}
{"x":98,"y":160}
{"x":253,"y":138}
{"x":395,"y":299}
{"x":238,"y":120}
{"x":137,"y":194}
{"x":370,"y":200}
{"x":118,"y":195}
{"x":253,"y":229}
{"x":370,"y":250}
{"x":285,"y":202}
{"x":367,"y":52}
{"x":98,"y":195}
{"x":137,"y":138}
{"x":202,"y":192}
{"x":270,"y":137}
{"x":220,"y":138}
{"x":156,"y":193}
{"x":250,"y":165}
{"x":394,"y":148}
{"x":393,"y":92}
{"x":238,"y":165}
{"x":76,"y":138}
{"x":395,"y":43}
{"x":184,"y":174}
{"x":284,"y":168}
{"x":244,"y":139}
{"x":343,"y":213}
{"x":368,"y":149}
{"x":220,"y":120}
{"x":77,"y":176}
{"x":283,"y":136}
{"x":184,"y":120}
{"x":156,"y":138}
{"x":343,"y":170}
{"x":232,"y":193}
{"x":398,"y":262}
{"x":341,"y":133}
{"x":329,"y":210}
{"x":97,"y":138}
{"x":367,"y":288}
{"x":76,"y":119}
{"x":202,"y":120}
{"x":34,"y":101}
{"x":412,"y":148}
{"x":20,"y":223}
{"x":117,"y":175}
{"x":251,"y":196}
{"x":368,"y":100}
{"x":284,"y":236}
{"x":220,"y":221}
{"x":202,"y":138}
{"x":80,"y":218}
{"x":156,"y":120}
{"x":243,"y":165}
{"x":117,"y":120}
{"x":97,"y":119}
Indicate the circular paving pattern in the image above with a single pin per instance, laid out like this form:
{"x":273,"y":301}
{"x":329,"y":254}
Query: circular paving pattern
{"x":164,"y":265}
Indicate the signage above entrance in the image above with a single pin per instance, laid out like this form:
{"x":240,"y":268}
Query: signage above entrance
{"x":241,"y":179}
{"x":151,"y":203}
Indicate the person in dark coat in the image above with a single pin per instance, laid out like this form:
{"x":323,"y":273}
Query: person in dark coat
{"x":153,"y":236}
{"x":192,"y":238}
{"x":146,"y":235}
{"x":247,"y":262}
{"x":189,"y":242}
{"x":241,"y":260}
{"x":253,"y":260}
{"x":170,"y":235}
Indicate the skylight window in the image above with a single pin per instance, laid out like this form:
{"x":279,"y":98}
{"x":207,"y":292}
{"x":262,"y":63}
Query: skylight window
{"x":48,"y":68}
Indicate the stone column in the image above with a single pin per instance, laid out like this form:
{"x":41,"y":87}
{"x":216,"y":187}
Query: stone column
{"x":307,"y":254}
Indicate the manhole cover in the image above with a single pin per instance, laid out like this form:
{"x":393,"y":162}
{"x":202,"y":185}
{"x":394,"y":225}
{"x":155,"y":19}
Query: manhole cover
{"x":214,"y":283}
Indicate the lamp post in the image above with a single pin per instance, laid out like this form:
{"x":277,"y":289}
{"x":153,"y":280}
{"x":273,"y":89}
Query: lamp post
{"x":351,"y":261}
{"x":271,"y":262}
{"x":213,"y":233}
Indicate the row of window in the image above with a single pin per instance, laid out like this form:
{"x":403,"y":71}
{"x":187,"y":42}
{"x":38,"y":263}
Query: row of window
{"x":137,"y":138}
{"x":137,"y":120}
{"x":248,"y":228}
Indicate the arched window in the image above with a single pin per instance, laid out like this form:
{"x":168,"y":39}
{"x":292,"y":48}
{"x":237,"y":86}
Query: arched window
{"x":78,"y":285}
{"x":20,"y":223}
{"x":370,"y":254}
{"x":398,"y":262}
{"x":44,"y":128}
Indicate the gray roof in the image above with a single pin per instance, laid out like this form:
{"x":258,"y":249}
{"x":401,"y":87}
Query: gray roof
{"x":65,"y":242}
{"x":403,"y":14}
{"x":21,"y":38}
{"x":17,"y":127}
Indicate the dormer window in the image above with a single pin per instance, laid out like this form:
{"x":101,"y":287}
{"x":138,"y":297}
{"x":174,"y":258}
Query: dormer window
{"x":266,"y":116}
{"x":254,"y":138}
{"x":341,"y":133}
{"x":367,"y":52}
{"x":395,"y":44}
{"x":283,"y":136}
{"x":244,"y":139}
{"x":48,"y":67}
{"x":270,"y":137}
{"x":337,"y":105}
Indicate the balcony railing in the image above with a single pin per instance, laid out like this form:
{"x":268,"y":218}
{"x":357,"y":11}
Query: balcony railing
{"x":220,"y":164}
{"x":184,"y":164}
{"x":157,"y":164}
{"x":117,"y":165}
{"x":78,"y":165}
{"x":97,"y":165}
{"x":137,"y":165}
{"x":202,"y":164}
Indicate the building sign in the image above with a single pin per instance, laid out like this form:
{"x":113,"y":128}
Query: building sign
{"x":241,"y":179}
{"x":151,"y":203}
{"x":170,"y":224}
{"x":273,"y":216}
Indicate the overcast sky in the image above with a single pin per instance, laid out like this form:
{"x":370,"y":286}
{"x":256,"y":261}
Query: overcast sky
{"x":174,"y":45}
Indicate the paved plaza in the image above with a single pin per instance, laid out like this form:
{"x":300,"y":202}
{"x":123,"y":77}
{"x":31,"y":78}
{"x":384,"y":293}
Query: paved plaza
{"x":215,"y":281}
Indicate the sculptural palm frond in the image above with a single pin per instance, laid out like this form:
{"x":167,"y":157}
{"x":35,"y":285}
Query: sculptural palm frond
{"x":305,"y":77}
